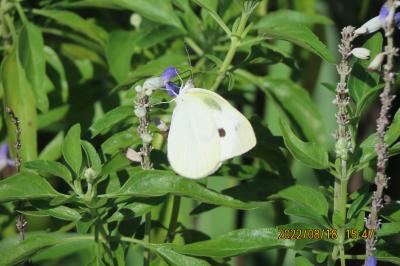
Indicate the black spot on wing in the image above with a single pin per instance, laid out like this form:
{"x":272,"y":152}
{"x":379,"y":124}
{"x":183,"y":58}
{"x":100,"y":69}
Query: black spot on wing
{"x":221,"y":132}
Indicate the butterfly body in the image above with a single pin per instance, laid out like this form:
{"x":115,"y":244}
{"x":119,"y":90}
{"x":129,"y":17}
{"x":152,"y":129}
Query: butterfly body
{"x":205,"y":131}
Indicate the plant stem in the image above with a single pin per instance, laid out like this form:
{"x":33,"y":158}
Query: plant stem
{"x":381,"y":180}
{"x":235,"y":42}
{"x":174,"y":219}
{"x":147,"y":231}
{"x":343,"y":142}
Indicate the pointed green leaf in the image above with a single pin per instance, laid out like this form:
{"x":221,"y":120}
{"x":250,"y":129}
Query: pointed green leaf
{"x":111,"y":118}
{"x":31,"y":49}
{"x":49,"y":167}
{"x":307,"y":197}
{"x":309,"y":153}
{"x":175,"y":259}
{"x":72,"y":148}
{"x":26,"y":186}
{"x":154,"y":183}
{"x":297,"y":34}
{"x":237,"y":242}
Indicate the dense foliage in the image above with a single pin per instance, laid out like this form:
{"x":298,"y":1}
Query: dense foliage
{"x":71,"y":73}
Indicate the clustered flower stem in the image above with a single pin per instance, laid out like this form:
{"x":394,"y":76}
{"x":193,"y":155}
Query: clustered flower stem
{"x":21,"y":222}
{"x":381,"y":180}
{"x":343,"y":139}
{"x":142,"y":110}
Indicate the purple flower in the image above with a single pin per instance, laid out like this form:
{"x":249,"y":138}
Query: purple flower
{"x":371,"y":261}
{"x":168,"y":74}
{"x":5,"y":159}
{"x":384,"y":12}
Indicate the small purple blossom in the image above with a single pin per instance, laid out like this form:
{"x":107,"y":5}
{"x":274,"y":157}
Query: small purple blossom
{"x":371,"y":261}
{"x":384,"y":12}
{"x":5,"y":159}
{"x":168,"y":74}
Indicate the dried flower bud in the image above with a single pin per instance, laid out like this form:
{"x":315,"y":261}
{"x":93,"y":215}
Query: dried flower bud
{"x":133,"y":155}
{"x":377,"y":62}
{"x":361,"y":53}
{"x":135,"y":20}
{"x":140,"y":111}
{"x":147,"y":138}
{"x":370,"y":26}
{"x":153,"y":83}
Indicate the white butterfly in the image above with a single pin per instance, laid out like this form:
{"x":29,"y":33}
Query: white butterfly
{"x":205,"y":131}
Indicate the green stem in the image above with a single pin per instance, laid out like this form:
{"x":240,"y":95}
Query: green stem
{"x":147,"y":229}
{"x":21,"y":12}
{"x":174,"y":219}
{"x":235,"y":42}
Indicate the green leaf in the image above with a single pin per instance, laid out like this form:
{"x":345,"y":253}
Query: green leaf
{"x":31,"y":49}
{"x":304,"y":211}
{"x":307,"y":197}
{"x":74,"y":21}
{"x":135,"y":209}
{"x":389,"y":256}
{"x":236,"y":243}
{"x":362,"y":81}
{"x":119,"y":52}
{"x":303,"y":261}
{"x":19,"y":96}
{"x":53,"y":149}
{"x":110,"y":119}
{"x":59,"y":212}
{"x":154,"y":183}
{"x":54,"y":61}
{"x":49,"y":167}
{"x":285,"y":16}
{"x":26,"y":186}
{"x":389,"y":229}
{"x":120,"y":141}
{"x":175,"y":259}
{"x":62,"y":250}
{"x":297,"y":34}
{"x":306,"y":115}
{"x":13,"y":251}
{"x":309,"y":153}
{"x":357,"y":205}
{"x":367,"y":99}
{"x":160,"y":11}
{"x":91,"y":156}
{"x":72,"y":148}
{"x":52,"y":116}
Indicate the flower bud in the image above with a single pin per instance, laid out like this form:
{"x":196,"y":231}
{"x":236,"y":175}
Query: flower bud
{"x":135,"y":20}
{"x":341,"y":149}
{"x":140,"y":112}
{"x":90,"y":175}
{"x":138,"y":88}
{"x":148,"y":92}
{"x":371,"y":261}
{"x":133,"y":155}
{"x":361,"y":53}
{"x":370,"y":26}
{"x":147,"y":138}
{"x":377,"y":62}
{"x":153,"y":83}
{"x":162,"y":126}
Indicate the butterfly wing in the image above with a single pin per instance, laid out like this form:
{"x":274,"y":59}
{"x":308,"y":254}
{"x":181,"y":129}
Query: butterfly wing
{"x":235,"y":131}
{"x":194,"y":146}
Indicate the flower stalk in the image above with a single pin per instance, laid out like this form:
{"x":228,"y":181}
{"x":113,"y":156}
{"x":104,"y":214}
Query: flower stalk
{"x":373,"y":222}
{"x":142,"y":111}
{"x":343,"y":138}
